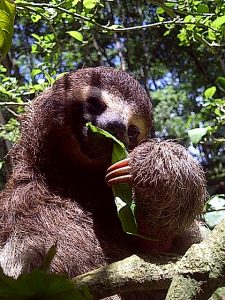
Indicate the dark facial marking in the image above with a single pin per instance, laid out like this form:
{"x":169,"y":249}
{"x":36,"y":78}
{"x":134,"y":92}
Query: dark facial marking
{"x":95,"y":105}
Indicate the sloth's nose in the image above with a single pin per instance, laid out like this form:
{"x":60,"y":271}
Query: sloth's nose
{"x":118,"y":129}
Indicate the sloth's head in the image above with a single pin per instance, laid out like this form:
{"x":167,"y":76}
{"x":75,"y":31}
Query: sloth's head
{"x":108,"y":98}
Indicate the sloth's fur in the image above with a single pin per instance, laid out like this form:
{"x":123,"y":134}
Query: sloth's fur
{"x":169,"y":188}
{"x":57,"y":191}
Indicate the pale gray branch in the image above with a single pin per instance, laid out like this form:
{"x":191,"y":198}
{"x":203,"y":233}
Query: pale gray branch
{"x":194,"y":276}
{"x":135,"y":273}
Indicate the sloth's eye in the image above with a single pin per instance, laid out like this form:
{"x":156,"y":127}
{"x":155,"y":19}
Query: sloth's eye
{"x":133,"y":132}
{"x":95,"y":105}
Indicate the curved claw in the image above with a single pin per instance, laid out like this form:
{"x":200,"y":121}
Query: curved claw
{"x":119,"y":173}
{"x":119,"y":164}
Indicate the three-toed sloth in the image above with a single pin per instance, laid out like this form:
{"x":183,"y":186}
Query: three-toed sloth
{"x":57,"y":191}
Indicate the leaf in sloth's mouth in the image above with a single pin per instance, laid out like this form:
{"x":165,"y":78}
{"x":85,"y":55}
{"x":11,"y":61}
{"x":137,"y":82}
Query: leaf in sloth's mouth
{"x":122,"y":191}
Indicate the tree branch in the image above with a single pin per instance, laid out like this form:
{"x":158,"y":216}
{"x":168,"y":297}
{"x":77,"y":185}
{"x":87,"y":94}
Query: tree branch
{"x":194,"y":276}
{"x":135,"y":273}
{"x":14,"y":103}
{"x":202,"y":269}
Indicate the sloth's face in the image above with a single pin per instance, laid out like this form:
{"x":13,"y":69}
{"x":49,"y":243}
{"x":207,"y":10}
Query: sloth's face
{"x":111,"y":100}
{"x":113,"y":114}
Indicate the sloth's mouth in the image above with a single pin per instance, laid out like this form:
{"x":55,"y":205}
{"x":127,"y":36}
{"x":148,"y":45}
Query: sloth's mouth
{"x":96,"y":146}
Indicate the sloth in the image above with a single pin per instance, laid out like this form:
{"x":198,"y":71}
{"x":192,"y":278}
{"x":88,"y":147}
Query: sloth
{"x":57,"y":191}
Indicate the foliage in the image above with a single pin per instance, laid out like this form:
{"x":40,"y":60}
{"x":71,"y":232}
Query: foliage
{"x":7,"y":14}
{"x":40,"y":285}
{"x":215,"y":210}
{"x":10,"y":131}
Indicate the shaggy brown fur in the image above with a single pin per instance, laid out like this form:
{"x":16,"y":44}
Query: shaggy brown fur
{"x":57,"y":191}
{"x":169,"y":189}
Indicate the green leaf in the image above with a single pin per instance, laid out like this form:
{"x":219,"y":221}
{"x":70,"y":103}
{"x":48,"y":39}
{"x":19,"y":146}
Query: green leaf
{"x":10,"y":130}
{"x":35,"y":18}
{"x":74,"y":3}
{"x":76,"y":34}
{"x":89,"y":4}
{"x":7,"y":14}
{"x":160,"y":11}
{"x":196,"y":134}
{"x":221,"y":82}
{"x":118,"y":155}
{"x":189,"y":18}
{"x":202,"y":8}
{"x":122,"y":192}
{"x":37,"y":37}
{"x":41,"y":285}
{"x":35,"y":72}
{"x":211,"y":35}
{"x":210,"y":92}
{"x":218,"y":22}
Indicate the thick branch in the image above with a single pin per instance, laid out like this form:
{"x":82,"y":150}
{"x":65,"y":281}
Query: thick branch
{"x":202,"y":269}
{"x":134,"y":273}
{"x":200,"y":272}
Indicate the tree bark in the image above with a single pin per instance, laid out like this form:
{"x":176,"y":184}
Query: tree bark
{"x":135,"y":273}
{"x":194,"y":276}
{"x":202,"y":269}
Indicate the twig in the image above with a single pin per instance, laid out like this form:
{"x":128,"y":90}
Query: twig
{"x":14,"y":103}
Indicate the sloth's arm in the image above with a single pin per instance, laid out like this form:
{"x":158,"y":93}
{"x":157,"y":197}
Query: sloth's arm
{"x":120,"y":173}
{"x":193,"y":235}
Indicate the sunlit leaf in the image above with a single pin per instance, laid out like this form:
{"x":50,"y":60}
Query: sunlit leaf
{"x":35,"y":18}
{"x":76,"y":34}
{"x":7,"y":14}
{"x":218,"y":22}
{"x":197,"y":134}
{"x":213,"y":218}
{"x":35,"y":72}
{"x":160,"y":10}
{"x":210,"y":92}
{"x":89,"y":4}
{"x":215,"y":210}
{"x":37,"y":37}
{"x":74,"y":3}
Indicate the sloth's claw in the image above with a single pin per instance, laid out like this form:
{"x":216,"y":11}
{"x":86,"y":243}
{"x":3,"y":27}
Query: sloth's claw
{"x":119,"y":164}
{"x":120,"y":179}
{"x":119,"y":173}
